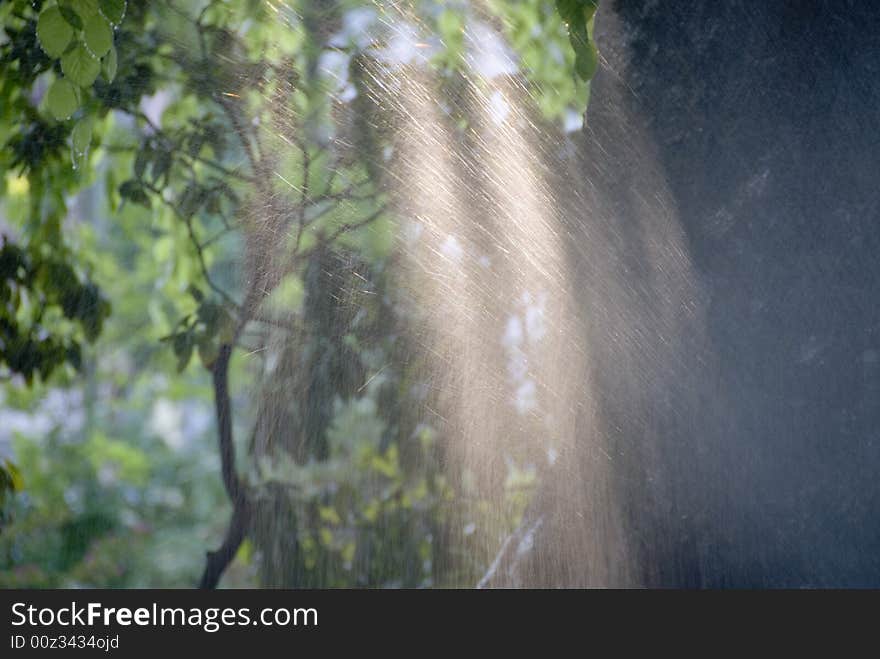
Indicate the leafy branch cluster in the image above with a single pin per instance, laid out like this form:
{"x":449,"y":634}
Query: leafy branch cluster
{"x":31,"y":287}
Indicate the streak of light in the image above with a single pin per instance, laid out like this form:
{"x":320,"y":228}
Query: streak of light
{"x":371,"y":378}
{"x":295,"y":188}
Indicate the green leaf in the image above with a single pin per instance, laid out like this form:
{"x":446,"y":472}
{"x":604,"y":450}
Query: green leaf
{"x":109,"y":63}
{"x":579,"y":16}
{"x":141,"y":160}
{"x":161,"y":165}
{"x":71,"y":17}
{"x":53,"y":32}
{"x":134,"y":191}
{"x":82,"y":134}
{"x":85,"y":9}
{"x":15,"y":477}
{"x":183,"y":345}
{"x":210,"y":313}
{"x":98,"y":35}
{"x":113,"y":10}
{"x":81,"y":139}
{"x":80,"y":66}
{"x":61,"y":99}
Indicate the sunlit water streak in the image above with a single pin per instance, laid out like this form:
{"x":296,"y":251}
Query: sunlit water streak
{"x":490,"y":270}
{"x":536,"y":305}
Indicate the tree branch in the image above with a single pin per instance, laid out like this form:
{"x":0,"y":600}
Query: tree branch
{"x":223,"y":407}
{"x":218,"y":560}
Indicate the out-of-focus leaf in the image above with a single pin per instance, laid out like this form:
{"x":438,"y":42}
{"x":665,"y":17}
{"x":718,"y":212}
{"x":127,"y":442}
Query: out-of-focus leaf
{"x":85,"y":9}
{"x":109,"y":64}
{"x":579,"y":16}
{"x":81,"y":138}
{"x":134,"y":191}
{"x":191,"y":200}
{"x":53,"y":32}
{"x":71,"y":17}
{"x":141,"y":160}
{"x":113,"y":10}
{"x":16,"y":480}
{"x":182,"y":344}
{"x":98,"y":35}
{"x":161,"y":165}
{"x":82,"y":134}
{"x":61,"y":99}
{"x":80,"y":66}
